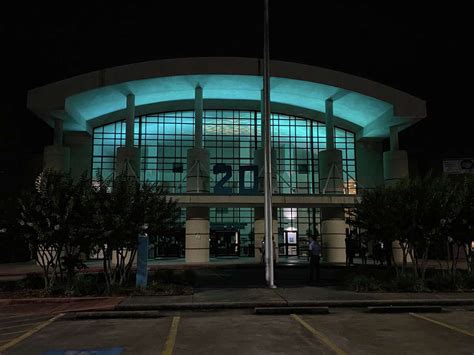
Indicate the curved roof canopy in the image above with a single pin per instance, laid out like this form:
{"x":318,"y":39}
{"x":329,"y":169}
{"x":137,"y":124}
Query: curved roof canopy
{"x":86,"y":100}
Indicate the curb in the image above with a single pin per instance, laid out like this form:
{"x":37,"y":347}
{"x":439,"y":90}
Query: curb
{"x":112,"y":315}
{"x":198,"y":306}
{"x":13,"y":301}
{"x":405,"y":309}
{"x":291,"y":310}
{"x":323,"y":303}
{"x":394,"y":302}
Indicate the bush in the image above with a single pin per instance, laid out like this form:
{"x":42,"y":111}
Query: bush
{"x":405,"y":283}
{"x":32,"y":281}
{"x":468,"y":281}
{"x":444,"y":282}
{"x":191,"y":277}
{"x":362,"y":283}
{"x":8,"y":286}
{"x":170,"y":289}
{"x":176,"y":277}
{"x":88,"y":285}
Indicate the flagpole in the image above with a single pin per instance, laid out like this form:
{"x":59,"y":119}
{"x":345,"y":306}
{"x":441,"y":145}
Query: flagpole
{"x":269,"y":276}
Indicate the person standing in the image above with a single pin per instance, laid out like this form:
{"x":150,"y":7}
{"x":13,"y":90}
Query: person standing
{"x":350,"y":249}
{"x":363,"y":251}
{"x":314,"y":259}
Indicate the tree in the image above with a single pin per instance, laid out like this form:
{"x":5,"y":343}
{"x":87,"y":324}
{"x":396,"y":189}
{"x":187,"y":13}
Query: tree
{"x":460,"y":226}
{"x":417,"y":213}
{"x":374,"y":215}
{"x":120,"y":214}
{"x":52,"y":219}
{"x":430,"y":202}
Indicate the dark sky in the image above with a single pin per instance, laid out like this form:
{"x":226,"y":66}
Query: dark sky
{"x":423,"y":48}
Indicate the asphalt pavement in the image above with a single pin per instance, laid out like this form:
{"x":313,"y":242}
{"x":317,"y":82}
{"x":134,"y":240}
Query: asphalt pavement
{"x":343,"y":331}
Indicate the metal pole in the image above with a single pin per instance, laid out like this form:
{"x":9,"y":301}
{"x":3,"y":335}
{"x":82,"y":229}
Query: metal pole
{"x":268,"y":155}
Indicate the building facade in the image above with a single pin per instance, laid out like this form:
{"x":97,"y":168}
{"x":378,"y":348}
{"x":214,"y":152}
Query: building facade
{"x":195,"y":126}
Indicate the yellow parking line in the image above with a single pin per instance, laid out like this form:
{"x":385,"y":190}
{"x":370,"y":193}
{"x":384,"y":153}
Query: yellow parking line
{"x":37,"y":318}
{"x":324,"y":339}
{"x":15,"y":341}
{"x":169,"y":346}
{"x":11,"y":333}
{"x":462,"y":331}
{"x":18,"y":316}
{"x":20,"y":325}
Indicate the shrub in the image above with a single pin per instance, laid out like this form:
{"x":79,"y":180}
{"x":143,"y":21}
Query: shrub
{"x":88,"y":285}
{"x":176,"y":277}
{"x":362,"y":283}
{"x":32,"y":281}
{"x":8,"y":286}
{"x":468,"y":281}
{"x":444,"y":282}
{"x":170,"y":289}
{"x":191,"y":277}
{"x":405,"y":283}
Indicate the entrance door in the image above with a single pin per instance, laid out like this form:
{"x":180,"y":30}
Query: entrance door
{"x":169,"y":246}
{"x":290,"y":244}
{"x":225,"y":243}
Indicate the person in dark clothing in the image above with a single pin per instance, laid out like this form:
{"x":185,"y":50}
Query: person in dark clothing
{"x":387,"y":253}
{"x":363,"y":251}
{"x":350,"y":249}
{"x":314,"y":259}
{"x":378,"y":253}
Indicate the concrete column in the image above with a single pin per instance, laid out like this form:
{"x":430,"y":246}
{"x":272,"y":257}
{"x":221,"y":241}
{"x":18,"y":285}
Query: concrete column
{"x":329,"y":114}
{"x":58,"y":132}
{"x":130,"y":120}
{"x":197,"y":181}
{"x":198,"y":109}
{"x":197,"y":235}
{"x":333,"y":231}
{"x":395,"y":168}
{"x":57,"y":157}
{"x":128,"y":157}
{"x":330,"y":172}
{"x":128,"y":162}
{"x":259,"y":233}
{"x":395,"y":161}
{"x":333,"y":226}
{"x":394,"y":138}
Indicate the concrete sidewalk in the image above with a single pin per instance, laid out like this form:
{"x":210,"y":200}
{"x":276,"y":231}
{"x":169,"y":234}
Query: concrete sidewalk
{"x":12,"y":271}
{"x":294,"y":296}
{"x":41,"y":306}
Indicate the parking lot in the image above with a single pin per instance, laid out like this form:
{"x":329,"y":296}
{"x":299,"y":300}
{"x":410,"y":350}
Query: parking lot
{"x":14,"y":327}
{"x":344,"y":331}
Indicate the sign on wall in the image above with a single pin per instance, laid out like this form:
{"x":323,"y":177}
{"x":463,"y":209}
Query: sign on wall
{"x":245,"y":187}
{"x":458,"y":166}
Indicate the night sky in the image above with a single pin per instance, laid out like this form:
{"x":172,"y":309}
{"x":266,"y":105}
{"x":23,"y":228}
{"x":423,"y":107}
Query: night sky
{"x":424,"y":49}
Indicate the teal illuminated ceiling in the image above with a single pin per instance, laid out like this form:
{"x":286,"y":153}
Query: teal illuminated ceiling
{"x":353,"y":107}
{"x":361,"y":105}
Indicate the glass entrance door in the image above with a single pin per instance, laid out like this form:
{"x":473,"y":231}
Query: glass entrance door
{"x":289,"y":247}
{"x":225,"y":243}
